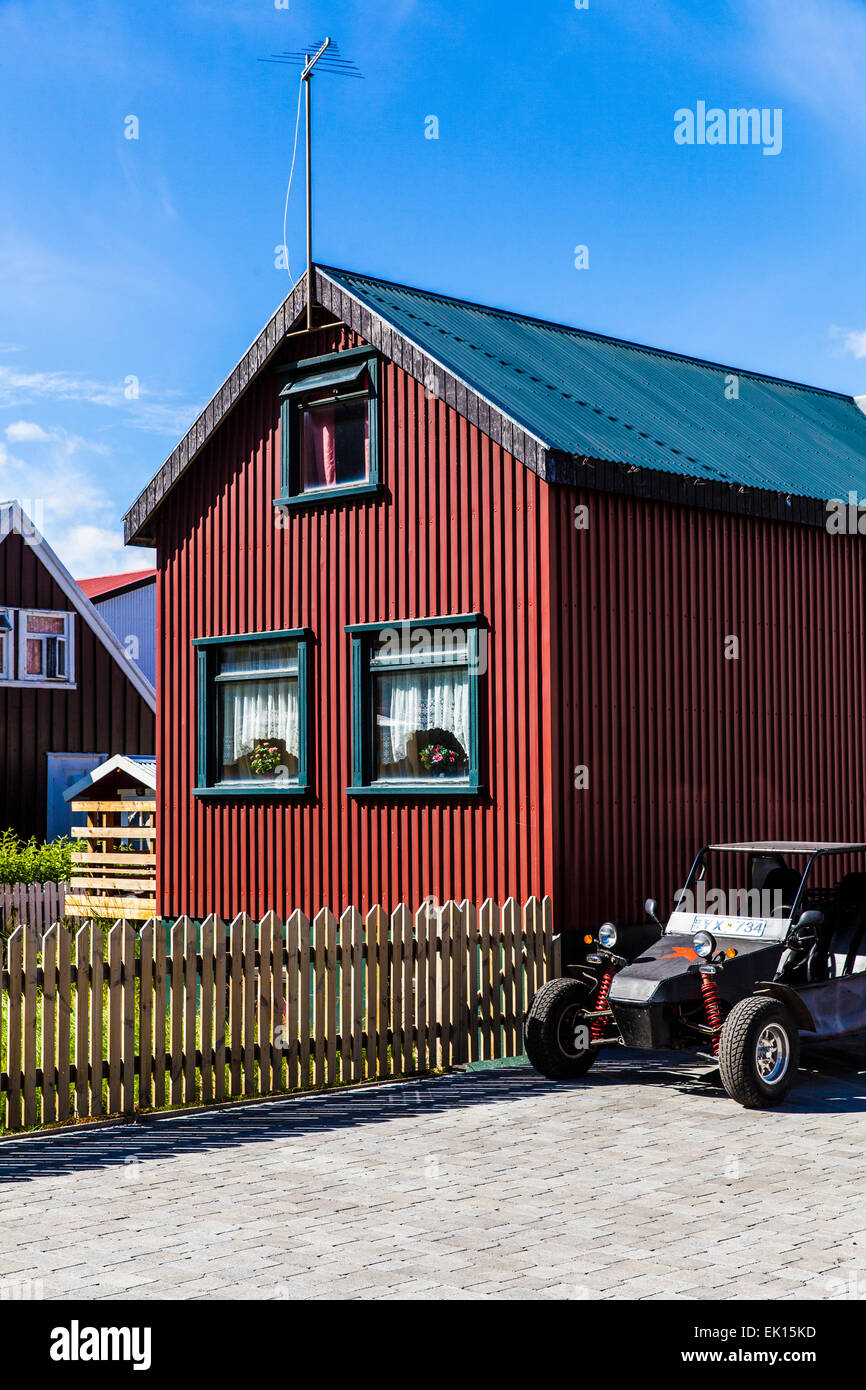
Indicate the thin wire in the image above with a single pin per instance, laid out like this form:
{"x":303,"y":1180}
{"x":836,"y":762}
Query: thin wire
{"x":289,"y":189}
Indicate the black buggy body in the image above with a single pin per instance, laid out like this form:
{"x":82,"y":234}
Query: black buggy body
{"x":764,"y":951}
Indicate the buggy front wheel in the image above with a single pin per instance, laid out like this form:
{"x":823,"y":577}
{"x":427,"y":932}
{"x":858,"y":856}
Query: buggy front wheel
{"x":557,"y":1033}
{"x":759,"y":1052}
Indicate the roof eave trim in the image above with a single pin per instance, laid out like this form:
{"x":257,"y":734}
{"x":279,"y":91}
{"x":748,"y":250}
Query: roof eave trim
{"x":238,"y":381}
{"x":711,"y":494}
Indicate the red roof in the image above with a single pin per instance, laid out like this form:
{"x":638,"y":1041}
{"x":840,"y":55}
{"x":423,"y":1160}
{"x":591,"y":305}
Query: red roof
{"x":110,"y":583}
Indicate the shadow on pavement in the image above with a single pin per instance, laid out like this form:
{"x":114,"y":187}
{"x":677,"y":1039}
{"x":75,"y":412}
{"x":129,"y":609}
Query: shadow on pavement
{"x":837,"y":1088}
{"x":167,"y":1136}
{"x":830,"y":1081}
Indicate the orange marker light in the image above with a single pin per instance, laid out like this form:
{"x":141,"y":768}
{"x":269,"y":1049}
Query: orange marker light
{"x":588,"y":940}
{"x":730,"y":953}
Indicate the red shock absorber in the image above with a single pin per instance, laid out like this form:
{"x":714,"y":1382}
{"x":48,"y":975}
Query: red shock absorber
{"x":599,"y":1025}
{"x":712,"y":1003}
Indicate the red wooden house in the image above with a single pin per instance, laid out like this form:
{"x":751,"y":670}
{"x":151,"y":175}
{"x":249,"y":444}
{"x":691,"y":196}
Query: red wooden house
{"x":458,"y":603}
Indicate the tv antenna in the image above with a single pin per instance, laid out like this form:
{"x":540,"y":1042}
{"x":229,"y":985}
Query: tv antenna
{"x":326,"y":55}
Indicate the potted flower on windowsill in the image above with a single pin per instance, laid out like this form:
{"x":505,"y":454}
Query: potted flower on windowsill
{"x":264,"y":759}
{"x":437,"y":759}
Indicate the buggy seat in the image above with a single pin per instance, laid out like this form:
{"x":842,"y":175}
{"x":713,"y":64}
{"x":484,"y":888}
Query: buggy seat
{"x":841,"y":946}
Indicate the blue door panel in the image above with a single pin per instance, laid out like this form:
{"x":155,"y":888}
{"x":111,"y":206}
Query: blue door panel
{"x":63,"y":770}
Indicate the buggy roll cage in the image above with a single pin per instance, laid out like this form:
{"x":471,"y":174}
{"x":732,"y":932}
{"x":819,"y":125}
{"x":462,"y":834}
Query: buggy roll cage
{"x":813,"y":851}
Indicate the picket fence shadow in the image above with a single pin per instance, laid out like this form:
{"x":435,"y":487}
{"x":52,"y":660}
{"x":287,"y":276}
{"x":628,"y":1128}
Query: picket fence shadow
{"x":109,"y":1022}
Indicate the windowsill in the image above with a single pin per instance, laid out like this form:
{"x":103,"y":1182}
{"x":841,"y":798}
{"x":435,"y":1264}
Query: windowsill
{"x":242,"y":790}
{"x":326,"y":497}
{"x":434,"y":787}
{"x":38,"y":685}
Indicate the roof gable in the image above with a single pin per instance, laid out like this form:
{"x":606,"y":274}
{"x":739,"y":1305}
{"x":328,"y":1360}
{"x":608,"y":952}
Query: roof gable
{"x":563,"y":400}
{"x":375,"y":330}
{"x":13,"y":520}
{"x":142,"y":771}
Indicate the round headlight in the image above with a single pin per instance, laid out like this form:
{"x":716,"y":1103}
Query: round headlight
{"x":704,"y":944}
{"x":607,"y":935}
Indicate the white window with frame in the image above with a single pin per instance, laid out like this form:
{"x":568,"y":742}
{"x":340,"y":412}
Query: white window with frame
{"x":45,"y":647}
{"x":7,"y":650}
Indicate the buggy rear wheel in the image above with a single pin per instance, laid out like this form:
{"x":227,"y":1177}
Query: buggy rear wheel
{"x":557,"y":1033}
{"x":759,"y":1052}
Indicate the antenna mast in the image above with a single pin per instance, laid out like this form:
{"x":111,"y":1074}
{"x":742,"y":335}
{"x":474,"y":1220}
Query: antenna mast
{"x":344,"y":68}
{"x":307,"y":77}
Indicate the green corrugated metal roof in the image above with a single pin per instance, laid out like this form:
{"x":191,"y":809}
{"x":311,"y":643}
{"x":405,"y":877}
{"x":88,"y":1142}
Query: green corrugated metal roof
{"x":598,"y":397}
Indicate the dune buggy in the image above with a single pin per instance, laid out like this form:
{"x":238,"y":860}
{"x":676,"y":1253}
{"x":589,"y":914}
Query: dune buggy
{"x":764,"y":952}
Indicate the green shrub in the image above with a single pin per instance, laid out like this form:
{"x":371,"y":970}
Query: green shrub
{"x":28,"y":861}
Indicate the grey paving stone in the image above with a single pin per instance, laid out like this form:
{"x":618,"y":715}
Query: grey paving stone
{"x":634,"y":1184}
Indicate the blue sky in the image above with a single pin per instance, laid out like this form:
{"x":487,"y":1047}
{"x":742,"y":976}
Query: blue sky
{"x":148,"y":265}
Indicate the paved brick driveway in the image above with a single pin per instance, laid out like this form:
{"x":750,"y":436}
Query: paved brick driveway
{"x":634,"y":1184}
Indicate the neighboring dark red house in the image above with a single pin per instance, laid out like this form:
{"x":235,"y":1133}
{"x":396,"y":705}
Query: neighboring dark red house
{"x":69,"y":697}
{"x":594,"y":582}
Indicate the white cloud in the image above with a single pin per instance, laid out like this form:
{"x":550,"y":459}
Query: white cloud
{"x":91,"y":550}
{"x":855,"y":342}
{"x":30,"y":432}
{"x":56,"y":489}
{"x":142,"y":412}
{"x":170,"y":420}
{"x":16,"y":387}
{"x":27,"y":432}
{"x":851,"y":340}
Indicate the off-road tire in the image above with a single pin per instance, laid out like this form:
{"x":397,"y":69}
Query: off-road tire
{"x":542,"y":1031}
{"x":738,"y":1046}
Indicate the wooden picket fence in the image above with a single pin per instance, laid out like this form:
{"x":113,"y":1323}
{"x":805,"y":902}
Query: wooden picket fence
{"x":107,"y":1023}
{"x":33,"y":904}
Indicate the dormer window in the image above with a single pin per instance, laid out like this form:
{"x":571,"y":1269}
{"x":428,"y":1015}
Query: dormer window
{"x":330,"y":436}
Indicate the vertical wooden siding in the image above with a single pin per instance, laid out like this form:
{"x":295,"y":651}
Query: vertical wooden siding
{"x":105,"y":713}
{"x":682,"y":745}
{"x":462,"y":527}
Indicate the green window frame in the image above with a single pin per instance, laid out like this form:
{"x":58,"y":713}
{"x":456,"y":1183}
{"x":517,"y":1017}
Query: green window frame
{"x":349,"y":378}
{"x":209,"y":678}
{"x":419,"y":646}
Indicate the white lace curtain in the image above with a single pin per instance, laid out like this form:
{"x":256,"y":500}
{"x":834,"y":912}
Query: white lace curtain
{"x":254,"y":710}
{"x":411,"y":703}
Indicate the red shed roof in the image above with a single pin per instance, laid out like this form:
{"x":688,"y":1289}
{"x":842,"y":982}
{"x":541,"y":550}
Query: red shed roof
{"x":104,"y":584}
